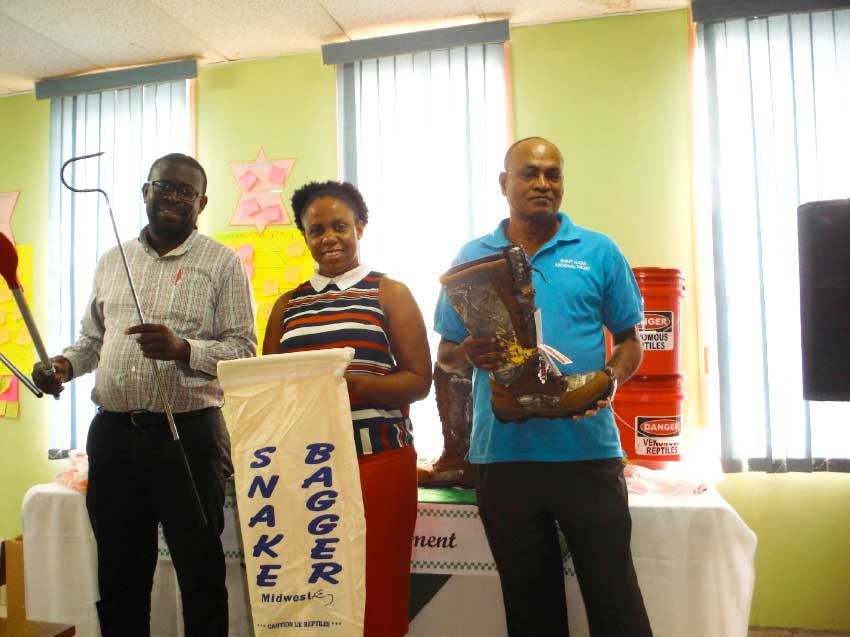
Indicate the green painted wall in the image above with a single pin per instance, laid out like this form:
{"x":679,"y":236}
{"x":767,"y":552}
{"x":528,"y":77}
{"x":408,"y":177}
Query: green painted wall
{"x":287,"y":105}
{"x":803,"y":558}
{"x":613,"y":94}
{"x":24,"y":129}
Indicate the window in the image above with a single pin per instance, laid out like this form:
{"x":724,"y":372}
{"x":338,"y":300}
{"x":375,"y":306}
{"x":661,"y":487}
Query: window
{"x":423,"y":135}
{"x":133,"y":126}
{"x":778,"y":92}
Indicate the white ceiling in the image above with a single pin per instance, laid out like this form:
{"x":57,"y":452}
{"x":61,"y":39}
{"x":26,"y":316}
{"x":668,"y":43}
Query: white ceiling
{"x":42,"y":39}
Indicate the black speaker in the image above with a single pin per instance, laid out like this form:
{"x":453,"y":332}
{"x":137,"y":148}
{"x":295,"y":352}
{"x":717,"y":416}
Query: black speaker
{"x":824,"y":242}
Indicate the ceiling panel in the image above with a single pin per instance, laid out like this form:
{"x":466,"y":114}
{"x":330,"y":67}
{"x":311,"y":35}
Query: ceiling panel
{"x":363,"y":14}
{"x":25,"y":54}
{"x":655,"y":5}
{"x":255,"y":28}
{"x":110,"y":33}
{"x":50,"y":38}
{"x":542,"y":11}
{"x":10,"y":84}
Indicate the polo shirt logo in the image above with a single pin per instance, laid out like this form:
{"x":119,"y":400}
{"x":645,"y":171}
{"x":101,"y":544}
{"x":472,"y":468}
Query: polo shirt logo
{"x":573,"y":264}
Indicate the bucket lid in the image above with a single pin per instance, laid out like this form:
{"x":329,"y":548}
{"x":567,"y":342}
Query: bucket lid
{"x":654,"y":384}
{"x":667,"y":277}
{"x":659,"y":272}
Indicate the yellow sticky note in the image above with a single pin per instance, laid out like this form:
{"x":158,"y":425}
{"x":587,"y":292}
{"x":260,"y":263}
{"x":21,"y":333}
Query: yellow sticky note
{"x":271,"y":287}
{"x":4,"y":335}
{"x":268,"y":259}
{"x":2,"y":407}
{"x":295,"y":249}
{"x":5,"y":382}
{"x":23,"y":338}
{"x":12,"y":410}
{"x":16,"y":315}
{"x":5,"y":295}
{"x":2,"y":317}
{"x":265,"y":310}
{"x":292,"y":274}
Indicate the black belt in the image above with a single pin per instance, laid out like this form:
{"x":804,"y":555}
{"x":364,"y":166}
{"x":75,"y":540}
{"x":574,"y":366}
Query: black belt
{"x":141,"y":418}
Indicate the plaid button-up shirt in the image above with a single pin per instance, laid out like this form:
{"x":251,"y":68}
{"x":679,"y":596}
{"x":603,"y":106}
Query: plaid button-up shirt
{"x":200,"y":290}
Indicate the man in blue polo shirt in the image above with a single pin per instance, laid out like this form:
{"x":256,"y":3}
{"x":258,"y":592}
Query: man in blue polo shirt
{"x":533,"y":474}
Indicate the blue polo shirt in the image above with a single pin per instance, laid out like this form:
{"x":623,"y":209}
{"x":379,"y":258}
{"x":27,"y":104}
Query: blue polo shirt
{"x":582,"y":281}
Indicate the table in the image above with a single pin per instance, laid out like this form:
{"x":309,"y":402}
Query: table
{"x":694,"y":557}
{"x":60,"y":567}
{"x":693,"y":554}
{"x":37,"y":629}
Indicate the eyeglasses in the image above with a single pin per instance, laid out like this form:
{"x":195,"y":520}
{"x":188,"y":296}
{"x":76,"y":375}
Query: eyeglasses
{"x":183,"y":192}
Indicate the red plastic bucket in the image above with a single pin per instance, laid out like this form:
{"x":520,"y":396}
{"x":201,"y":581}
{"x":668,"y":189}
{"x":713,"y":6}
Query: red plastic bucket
{"x":648,"y":412}
{"x":662,"y":290}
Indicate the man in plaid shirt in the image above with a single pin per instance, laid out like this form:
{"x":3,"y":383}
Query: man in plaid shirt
{"x":197,"y":302}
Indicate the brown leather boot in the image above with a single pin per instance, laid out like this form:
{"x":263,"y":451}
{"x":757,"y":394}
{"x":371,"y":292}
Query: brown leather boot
{"x":454,"y":404}
{"x":494,"y":296}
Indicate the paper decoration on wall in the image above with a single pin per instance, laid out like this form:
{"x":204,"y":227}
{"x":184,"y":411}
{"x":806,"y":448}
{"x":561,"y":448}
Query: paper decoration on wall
{"x":248,"y":180}
{"x":273,"y":214}
{"x":15,"y":342}
{"x":249,"y":207}
{"x":276,"y":261}
{"x":7,"y":207}
{"x":9,"y":389}
{"x":261,"y":182}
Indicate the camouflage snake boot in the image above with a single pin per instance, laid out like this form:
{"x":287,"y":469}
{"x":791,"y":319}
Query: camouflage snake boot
{"x":454,"y":404}
{"x":494,"y":296}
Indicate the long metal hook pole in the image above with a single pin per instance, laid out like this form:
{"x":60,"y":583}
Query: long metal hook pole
{"x":160,"y":387}
{"x":23,"y":378}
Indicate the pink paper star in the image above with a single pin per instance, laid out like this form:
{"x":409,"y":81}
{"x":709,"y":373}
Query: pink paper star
{"x":7,"y":207}
{"x":261,"y":182}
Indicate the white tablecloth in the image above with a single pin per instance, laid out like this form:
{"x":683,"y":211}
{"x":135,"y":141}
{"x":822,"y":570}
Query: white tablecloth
{"x":693,"y":554}
{"x":694,"y":558}
{"x":60,"y":563}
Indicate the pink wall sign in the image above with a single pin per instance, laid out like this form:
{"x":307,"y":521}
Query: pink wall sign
{"x":261,"y":182}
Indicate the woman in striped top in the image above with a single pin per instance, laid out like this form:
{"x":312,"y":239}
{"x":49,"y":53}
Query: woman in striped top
{"x":344,"y":304}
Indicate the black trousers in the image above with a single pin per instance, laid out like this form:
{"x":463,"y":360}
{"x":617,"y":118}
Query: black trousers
{"x":136,"y":480}
{"x":520,"y":502}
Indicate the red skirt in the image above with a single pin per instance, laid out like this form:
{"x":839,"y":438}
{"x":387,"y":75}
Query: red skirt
{"x":389,"y":486}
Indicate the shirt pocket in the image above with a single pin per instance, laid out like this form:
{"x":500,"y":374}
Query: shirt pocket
{"x":192,"y":303}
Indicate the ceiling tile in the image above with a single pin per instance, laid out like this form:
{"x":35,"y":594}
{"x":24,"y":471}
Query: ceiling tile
{"x":363,"y":14}
{"x":255,"y":28}
{"x":655,"y":5}
{"x":10,"y":84}
{"x":49,"y":38}
{"x":25,"y":55}
{"x":110,"y":33}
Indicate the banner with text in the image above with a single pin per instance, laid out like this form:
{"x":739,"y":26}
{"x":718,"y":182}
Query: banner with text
{"x":449,"y":539}
{"x":298,"y":491}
